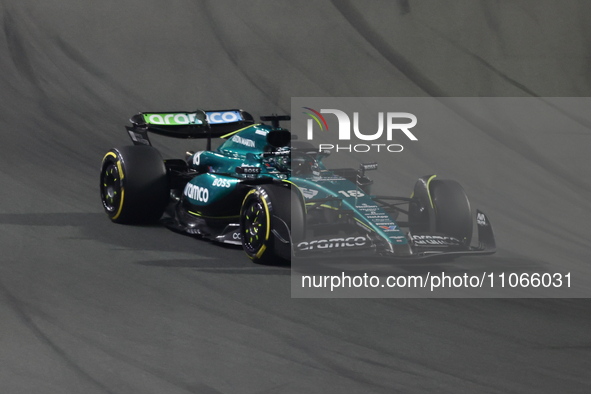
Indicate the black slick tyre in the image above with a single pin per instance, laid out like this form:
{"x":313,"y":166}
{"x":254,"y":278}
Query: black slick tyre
{"x":452,"y":210}
{"x":267,"y":208}
{"x":134,"y":185}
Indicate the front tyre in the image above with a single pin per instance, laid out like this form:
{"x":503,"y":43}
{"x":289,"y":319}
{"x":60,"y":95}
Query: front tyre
{"x":266,"y":223}
{"x":134,"y":184}
{"x":452,"y":210}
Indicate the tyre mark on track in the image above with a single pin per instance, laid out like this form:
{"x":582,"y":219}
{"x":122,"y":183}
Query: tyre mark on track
{"x":482,"y":62}
{"x":17,"y":50}
{"x":358,"y":22}
{"x":505,"y":77}
{"x":78,"y":58}
{"x":404,"y":6}
{"x":29,"y":59}
{"x":14,"y":304}
{"x":136,"y":363}
{"x":407,"y":68}
{"x":225,"y":45}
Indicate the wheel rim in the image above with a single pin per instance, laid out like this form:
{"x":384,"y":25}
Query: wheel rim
{"x":255,"y":227}
{"x":111,"y":188}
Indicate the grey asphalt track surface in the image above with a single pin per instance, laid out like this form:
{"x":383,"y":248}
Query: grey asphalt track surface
{"x":87,"y":306}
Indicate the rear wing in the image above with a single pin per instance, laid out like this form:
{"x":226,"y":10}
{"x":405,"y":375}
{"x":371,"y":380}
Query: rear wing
{"x":195,"y":124}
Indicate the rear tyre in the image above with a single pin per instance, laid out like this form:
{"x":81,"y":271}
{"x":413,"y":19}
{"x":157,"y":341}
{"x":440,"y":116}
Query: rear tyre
{"x":134,"y":185}
{"x":452,"y":210}
{"x":267,"y":208}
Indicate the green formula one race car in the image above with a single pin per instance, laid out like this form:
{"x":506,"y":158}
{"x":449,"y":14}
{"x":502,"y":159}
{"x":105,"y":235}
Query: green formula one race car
{"x":274,"y":196}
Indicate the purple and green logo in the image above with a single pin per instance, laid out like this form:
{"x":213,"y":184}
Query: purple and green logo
{"x":314,"y":116}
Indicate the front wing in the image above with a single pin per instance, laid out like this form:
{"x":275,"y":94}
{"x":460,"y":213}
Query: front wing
{"x":418,"y":246}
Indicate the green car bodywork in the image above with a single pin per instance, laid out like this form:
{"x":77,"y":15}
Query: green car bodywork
{"x":259,"y":170}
